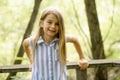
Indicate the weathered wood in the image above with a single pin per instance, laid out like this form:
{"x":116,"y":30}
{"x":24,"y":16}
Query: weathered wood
{"x":70,"y":65}
{"x":80,"y":74}
{"x":104,"y":63}
{"x":14,"y":68}
{"x":97,"y":63}
{"x":97,"y":46}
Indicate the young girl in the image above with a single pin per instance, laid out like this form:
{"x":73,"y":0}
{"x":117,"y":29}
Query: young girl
{"x":47,"y":49}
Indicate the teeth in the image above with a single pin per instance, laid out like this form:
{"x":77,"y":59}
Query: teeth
{"x":52,"y":30}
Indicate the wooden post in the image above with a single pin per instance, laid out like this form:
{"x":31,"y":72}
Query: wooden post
{"x":81,"y":74}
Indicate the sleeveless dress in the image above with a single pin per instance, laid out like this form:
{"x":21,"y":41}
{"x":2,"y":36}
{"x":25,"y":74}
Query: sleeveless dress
{"x":46,"y":65}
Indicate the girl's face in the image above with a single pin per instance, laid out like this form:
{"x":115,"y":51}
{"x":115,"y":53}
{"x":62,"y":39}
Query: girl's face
{"x":50,"y":26}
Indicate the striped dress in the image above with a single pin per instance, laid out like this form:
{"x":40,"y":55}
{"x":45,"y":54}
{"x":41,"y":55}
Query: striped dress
{"x":46,"y":65}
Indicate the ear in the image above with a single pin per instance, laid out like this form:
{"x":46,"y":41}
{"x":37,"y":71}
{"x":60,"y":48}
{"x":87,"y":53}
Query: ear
{"x":41,"y":23}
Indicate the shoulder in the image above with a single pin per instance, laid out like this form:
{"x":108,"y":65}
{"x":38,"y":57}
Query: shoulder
{"x":71,"y":38}
{"x":26,"y":42}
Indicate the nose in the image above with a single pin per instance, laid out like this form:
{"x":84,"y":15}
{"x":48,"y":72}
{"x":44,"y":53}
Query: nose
{"x":53,"y":25}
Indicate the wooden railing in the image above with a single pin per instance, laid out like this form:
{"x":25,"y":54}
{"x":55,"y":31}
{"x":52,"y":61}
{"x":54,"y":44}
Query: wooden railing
{"x":80,"y":74}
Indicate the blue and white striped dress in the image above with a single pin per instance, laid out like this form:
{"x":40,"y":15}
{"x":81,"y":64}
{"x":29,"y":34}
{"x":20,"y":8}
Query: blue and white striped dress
{"x":46,"y":65}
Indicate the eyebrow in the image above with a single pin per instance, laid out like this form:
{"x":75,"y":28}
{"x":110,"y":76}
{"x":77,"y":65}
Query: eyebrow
{"x":52,"y":20}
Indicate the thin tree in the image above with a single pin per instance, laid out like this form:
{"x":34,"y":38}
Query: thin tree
{"x":96,"y":38}
{"x":27,"y":33}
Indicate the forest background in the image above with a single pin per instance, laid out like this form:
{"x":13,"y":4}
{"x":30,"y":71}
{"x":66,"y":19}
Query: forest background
{"x":15,"y":16}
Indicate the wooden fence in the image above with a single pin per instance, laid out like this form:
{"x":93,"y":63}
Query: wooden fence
{"x":80,"y":74}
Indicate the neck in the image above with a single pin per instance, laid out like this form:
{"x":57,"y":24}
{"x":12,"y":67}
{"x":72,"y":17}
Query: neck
{"x":47,"y":39}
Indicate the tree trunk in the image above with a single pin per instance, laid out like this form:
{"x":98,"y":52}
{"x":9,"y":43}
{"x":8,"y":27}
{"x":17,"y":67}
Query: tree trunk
{"x":27,"y":33}
{"x":96,"y":38}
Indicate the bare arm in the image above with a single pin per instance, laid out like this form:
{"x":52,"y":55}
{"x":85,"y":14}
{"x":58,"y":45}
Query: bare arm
{"x":26,"y":47}
{"x":83,"y":63}
{"x":76,"y":43}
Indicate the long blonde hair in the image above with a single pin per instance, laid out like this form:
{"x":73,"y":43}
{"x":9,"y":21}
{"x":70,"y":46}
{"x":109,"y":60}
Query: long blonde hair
{"x":61,"y":34}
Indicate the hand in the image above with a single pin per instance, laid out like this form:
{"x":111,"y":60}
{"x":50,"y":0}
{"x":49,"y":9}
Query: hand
{"x":83,"y":64}
{"x":30,"y":67}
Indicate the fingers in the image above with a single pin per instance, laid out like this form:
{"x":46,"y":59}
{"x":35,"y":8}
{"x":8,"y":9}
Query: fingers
{"x":83,"y":64}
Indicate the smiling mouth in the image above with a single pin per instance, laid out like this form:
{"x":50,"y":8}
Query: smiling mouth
{"x":51,"y":30}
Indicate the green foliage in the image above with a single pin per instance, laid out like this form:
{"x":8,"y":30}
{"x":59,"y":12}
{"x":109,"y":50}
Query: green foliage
{"x":18,"y":78}
{"x":15,"y":15}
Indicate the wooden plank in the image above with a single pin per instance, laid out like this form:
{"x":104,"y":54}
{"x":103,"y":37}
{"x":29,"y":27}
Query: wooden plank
{"x":14,"y":68}
{"x":70,"y":65}
{"x":97,"y":63}
{"x":104,"y":63}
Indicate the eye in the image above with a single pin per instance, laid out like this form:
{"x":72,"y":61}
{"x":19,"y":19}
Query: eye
{"x":57,"y":24}
{"x":49,"y":22}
